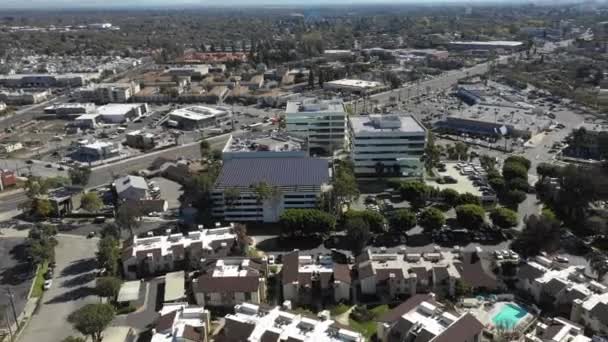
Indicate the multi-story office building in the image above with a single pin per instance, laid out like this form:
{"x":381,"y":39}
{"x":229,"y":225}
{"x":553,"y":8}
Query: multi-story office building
{"x":109,"y":92}
{"x":390,"y":145}
{"x":323,"y":122}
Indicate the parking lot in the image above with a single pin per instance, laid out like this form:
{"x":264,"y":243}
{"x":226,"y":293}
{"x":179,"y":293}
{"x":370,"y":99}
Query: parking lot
{"x":464,"y":183}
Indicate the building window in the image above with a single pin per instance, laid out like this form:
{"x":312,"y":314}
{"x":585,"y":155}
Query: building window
{"x":247,"y":296}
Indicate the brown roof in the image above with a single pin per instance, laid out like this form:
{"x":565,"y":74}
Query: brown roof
{"x":473,"y":274}
{"x":600,"y":311}
{"x":421,"y":273}
{"x":462,"y":330}
{"x":342,"y":273}
{"x":178,"y":250}
{"x":405,"y":307}
{"x":528,"y":272}
{"x":269,"y":336}
{"x":366,"y":270}
{"x":237,"y":331}
{"x":156,"y":253}
{"x":127,"y":253}
{"x":194,"y":334}
{"x":551,"y":331}
{"x":208,"y":284}
{"x":441,"y":273}
{"x":554,"y":286}
{"x":165,"y":322}
{"x":291,"y":264}
{"x":305,"y":279}
{"x":384,"y":273}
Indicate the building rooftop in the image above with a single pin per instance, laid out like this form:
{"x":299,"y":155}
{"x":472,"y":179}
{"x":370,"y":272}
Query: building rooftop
{"x":255,"y":323}
{"x":355,"y":83}
{"x":98,"y":145}
{"x":263,"y":141}
{"x":386,"y":123}
{"x":126,"y":182}
{"x":117,"y":108}
{"x":181,"y":322}
{"x":311,"y":105}
{"x":274,"y":171}
{"x":198,"y":112}
{"x":301,"y":268}
{"x":558,"y":329}
{"x":69,"y":105}
{"x":230,"y":275}
{"x":129,"y":291}
{"x":507,"y":43}
{"x":175,"y":288}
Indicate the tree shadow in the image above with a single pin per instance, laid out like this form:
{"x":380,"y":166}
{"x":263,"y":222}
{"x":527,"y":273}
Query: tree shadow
{"x":277,"y":244}
{"x":17,"y":274}
{"x":419,"y":240}
{"x":79,"y":266}
{"x":79,"y":280}
{"x":75,"y":294}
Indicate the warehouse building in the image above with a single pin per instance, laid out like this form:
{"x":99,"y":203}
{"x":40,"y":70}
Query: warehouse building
{"x":119,"y":113}
{"x":195,"y":117}
{"x":70,"y":109}
{"x":355,"y":86}
{"x":489,"y":45}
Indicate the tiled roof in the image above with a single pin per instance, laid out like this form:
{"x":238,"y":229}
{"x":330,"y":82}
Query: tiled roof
{"x":473,"y":274}
{"x":273,"y":171}
{"x":208,"y":284}
{"x":289,"y":272}
{"x":462,"y":330}
{"x":405,"y":307}
{"x":554,"y":286}
{"x":529,"y":272}
{"x":194,"y":334}
{"x":342,"y":273}
{"x":165,"y":322}
{"x":600,"y":311}
{"x":269,"y":336}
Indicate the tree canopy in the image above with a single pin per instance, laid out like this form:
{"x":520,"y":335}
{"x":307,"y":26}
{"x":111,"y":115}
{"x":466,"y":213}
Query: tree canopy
{"x":357,"y":233}
{"x":374,"y":220}
{"x":91,"y":202}
{"x":92,"y":319}
{"x":306,"y":221}
{"x":504,"y":217}
{"x":431,"y":219}
{"x":470,"y":216}
{"x":108,"y":287}
{"x":402,"y":220}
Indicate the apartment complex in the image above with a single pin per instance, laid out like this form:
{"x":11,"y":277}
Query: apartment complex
{"x":257,"y":323}
{"x":157,"y":254}
{"x":230,"y":281}
{"x":557,"y":329}
{"x":306,"y":279}
{"x":108,"y":92}
{"x":390,"y":145}
{"x":46,"y":80}
{"x":182,"y":322}
{"x":592,"y":312}
{"x":21,"y":97}
{"x":397,"y":274}
{"x":322,"y":122}
{"x":293,"y":183}
{"x":421,"y":318}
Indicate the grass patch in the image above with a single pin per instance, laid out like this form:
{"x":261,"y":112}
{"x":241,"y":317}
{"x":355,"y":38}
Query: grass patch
{"x":339,"y":309}
{"x":368,"y":328}
{"x":39,"y":281}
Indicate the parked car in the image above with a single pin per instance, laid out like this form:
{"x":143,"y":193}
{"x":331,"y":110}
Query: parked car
{"x":47,"y":284}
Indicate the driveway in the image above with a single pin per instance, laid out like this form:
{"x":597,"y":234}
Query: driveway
{"x":72,"y":288}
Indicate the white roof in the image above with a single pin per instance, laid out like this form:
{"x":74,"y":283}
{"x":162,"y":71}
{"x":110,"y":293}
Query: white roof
{"x":117,"y":108}
{"x":126,"y":182}
{"x":313,"y":105}
{"x":129,"y":291}
{"x":509,"y":43}
{"x":97,"y":145}
{"x":355,"y":83}
{"x":385,"y":123}
{"x":87,"y":117}
{"x":197,"y":112}
{"x":186,"y":315}
{"x":175,"y":286}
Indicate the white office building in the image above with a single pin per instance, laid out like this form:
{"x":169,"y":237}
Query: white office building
{"x":323,"y":122}
{"x":390,"y":145}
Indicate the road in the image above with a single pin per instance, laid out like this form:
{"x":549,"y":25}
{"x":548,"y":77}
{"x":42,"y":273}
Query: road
{"x":72,"y":288}
{"x":28,"y":113}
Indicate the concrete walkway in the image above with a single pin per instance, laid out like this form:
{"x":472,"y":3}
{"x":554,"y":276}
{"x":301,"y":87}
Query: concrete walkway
{"x":344,"y":318}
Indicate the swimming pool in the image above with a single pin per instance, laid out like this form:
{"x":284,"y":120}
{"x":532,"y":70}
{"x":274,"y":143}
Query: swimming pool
{"x":509,"y":316}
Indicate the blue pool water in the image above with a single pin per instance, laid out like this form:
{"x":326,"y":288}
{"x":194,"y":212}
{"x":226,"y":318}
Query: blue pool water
{"x":509,"y":316}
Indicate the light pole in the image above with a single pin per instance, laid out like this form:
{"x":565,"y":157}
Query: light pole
{"x":11,"y":298}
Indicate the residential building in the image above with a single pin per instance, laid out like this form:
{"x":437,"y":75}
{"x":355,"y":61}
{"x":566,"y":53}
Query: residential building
{"x":391,"y":145}
{"x":257,"y":323}
{"x":408,"y":274}
{"x":182,"y":322}
{"x":309,"y":280}
{"x":421,"y":318}
{"x":2,"y":106}
{"x":150,"y":255}
{"x":119,"y":113}
{"x":195,"y":117}
{"x":70,"y":109}
{"x":360,"y":87}
{"x":131,"y":188}
{"x":130,"y":292}
{"x":230,"y":281}
{"x":141,"y":140}
{"x":557,"y":329}
{"x":294,"y":183}
{"x":322,"y":122}
{"x":21,"y":97}
{"x":98,"y":150}
{"x":592,"y":312}
{"x":46,"y":80}
{"x":264,"y":145}
{"x":109,"y":92}
{"x":63,"y":200}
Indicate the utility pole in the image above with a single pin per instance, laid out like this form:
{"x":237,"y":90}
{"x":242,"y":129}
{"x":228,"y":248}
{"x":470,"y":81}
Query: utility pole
{"x":8,"y":323}
{"x":10,"y":297}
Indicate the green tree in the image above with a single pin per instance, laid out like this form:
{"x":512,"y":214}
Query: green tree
{"x":450,"y":197}
{"x":92,"y":319}
{"x":417,"y":193}
{"x":512,"y":198}
{"x":468,"y":198}
{"x":263,"y":192}
{"x":91,"y":202}
{"x":306,"y":221}
{"x":470,"y":216}
{"x":80,"y":175}
{"x":43,"y":207}
{"x":504,"y":217}
{"x":73,"y":339}
{"x":541,"y":233}
{"x":547,"y":170}
{"x":128,"y":217}
{"x":519,"y":160}
{"x":431,"y":219}
{"x":231,"y":196}
{"x":357,"y":233}
{"x":205,"y":148}
{"x":488,"y":163}
{"x":374,"y":220}
{"x":108,"y":287}
{"x":514,"y":170}
{"x":432,"y":153}
{"x":108,"y":254}
{"x":311,"y":79}
{"x":402,"y":220}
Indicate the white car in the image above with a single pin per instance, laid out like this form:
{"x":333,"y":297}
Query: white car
{"x":47,"y":284}
{"x":271,"y":260}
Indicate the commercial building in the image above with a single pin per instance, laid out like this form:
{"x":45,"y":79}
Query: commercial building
{"x":195,"y":117}
{"x":193,"y":71}
{"x":407,"y":274}
{"x":132,"y":188}
{"x":355,"y":86}
{"x":98,"y":150}
{"x":322,"y":122}
{"x":108,"y":92}
{"x":308,"y":280}
{"x":70,"y":109}
{"x":22,"y":97}
{"x":229,"y":281}
{"x":489,"y":45}
{"x":46,"y":80}
{"x":88,"y":121}
{"x":421,"y":318}
{"x":257,"y":323}
{"x":182,"y":322}
{"x":212,"y":57}
{"x":265,"y":145}
{"x":294,"y":183}
{"x":391,"y":145}
{"x":141,"y":140}
{"x":10,"y":146}
{"x":557,"y":329}
{"x":157,"y":254}
{"x":119,"y":113}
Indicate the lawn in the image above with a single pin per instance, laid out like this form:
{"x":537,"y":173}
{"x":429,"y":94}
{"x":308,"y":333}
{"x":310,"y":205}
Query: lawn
{"x":39,"y":281}
{"x":339,"y":309}
{"x":368,"y":328}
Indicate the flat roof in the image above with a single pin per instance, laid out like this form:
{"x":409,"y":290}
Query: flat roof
{"x":129,"y":291}
{"x":175,"y":286}
{"x":386,"y":123}
{"x":510,"y":43}
{"x":313,"y":105}
{"x":88,"y":116}
{"x":264,"y":142}
{"x":197,"y":112}
{"x":117,"y":108}
{"x":356,"y":83}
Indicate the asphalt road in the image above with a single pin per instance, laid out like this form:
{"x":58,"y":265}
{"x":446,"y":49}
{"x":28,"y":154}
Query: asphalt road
{"x":15,"y":274}
{"x":72,"y":288}
{"x":28,"y":113}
